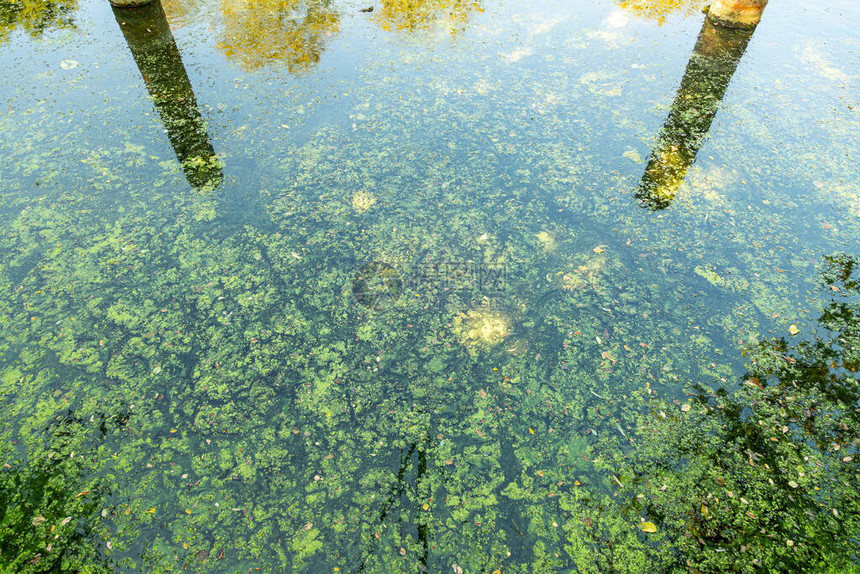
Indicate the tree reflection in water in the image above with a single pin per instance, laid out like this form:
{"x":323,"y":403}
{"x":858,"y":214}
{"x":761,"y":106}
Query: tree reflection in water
{"x":658,"y":10}
{"x":36,"y":16}
{"x":415,"y":15}
{"x":765,"y":478}
{"x":292,"y":33}
{"x":50,"y":501}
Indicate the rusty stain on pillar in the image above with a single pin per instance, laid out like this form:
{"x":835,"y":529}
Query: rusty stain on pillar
{"x":737,"y":13}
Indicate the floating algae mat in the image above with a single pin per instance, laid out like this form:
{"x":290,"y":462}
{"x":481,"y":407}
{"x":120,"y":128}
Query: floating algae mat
{"x":473,"y":286}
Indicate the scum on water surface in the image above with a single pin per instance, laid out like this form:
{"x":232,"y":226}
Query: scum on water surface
{"x":445,"y":286}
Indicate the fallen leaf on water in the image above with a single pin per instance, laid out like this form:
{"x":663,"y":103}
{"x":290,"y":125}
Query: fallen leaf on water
{"x":685,"y":408}
{"x":531,"y":431}
{"x":38,"y":520}
{"x":754,"y":382}
{"x":600,"y":249}
{"x":793,"y":330}
{"x":68,"y":64}
{"x":648,"y":527}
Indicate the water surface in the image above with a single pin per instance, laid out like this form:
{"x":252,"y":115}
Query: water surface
{"x":468,"y":286}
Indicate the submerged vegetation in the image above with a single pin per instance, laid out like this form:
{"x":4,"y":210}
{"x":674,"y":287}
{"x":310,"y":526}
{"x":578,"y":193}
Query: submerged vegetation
{"x":408,"y":316}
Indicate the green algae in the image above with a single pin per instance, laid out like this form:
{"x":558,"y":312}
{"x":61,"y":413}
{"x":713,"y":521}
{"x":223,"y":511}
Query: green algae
{"x":194,"y":357}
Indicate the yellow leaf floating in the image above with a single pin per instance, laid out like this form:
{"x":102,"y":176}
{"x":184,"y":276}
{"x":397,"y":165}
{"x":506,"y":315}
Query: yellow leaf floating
{"x":793,"y":330}
{"x":648,"y":527}
{"x":531,"y":431}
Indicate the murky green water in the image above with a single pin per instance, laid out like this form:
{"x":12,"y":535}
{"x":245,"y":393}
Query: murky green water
{"x":470,"y":286}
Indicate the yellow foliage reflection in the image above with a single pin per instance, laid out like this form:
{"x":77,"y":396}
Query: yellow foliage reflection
{"x":293,"y":33}
{"x":35,"y":16}
{"x":181,"y":12}
{"x":658,"y":10}
{"x":413,"y":15}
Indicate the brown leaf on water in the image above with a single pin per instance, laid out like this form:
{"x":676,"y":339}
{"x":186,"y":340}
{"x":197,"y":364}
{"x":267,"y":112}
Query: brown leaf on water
{"x":754,"y":382}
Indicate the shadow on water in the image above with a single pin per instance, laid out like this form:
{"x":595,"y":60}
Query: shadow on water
{"x":709,"y":72}
{"x":154,"y":49}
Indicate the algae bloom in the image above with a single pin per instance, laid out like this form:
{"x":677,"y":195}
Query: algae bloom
{"x":482,"y":328}
{"x":362,"y":201}
{"x":547,"y":241}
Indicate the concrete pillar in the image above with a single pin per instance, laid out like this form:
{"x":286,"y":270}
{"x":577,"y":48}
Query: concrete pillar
{"x":709,"y":72}
{"x":737,"y":13}
{"x":154,"y":50}
{"x":128,"y":3}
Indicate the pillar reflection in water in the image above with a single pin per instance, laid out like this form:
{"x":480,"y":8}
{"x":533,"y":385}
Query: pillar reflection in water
{"x":709,"y":71}
{"x":154,"y":50}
